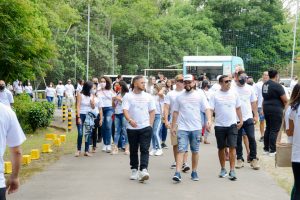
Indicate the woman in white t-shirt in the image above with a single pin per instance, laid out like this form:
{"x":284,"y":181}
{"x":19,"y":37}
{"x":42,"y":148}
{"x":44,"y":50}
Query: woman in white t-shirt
{"x":120,"y":122}
{"x":85,"y":104}
{"x":28,"y":89}
{"x":294,"y":130}
{"x":19,"y":89}
{"x":158,"y":96}
{"x":50,"y":93}
{"x":107,"y":96}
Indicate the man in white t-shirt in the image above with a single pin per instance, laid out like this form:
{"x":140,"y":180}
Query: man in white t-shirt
{"x":187,"y":114}
{"x":11,"y":134}
{"x":169,"y":109}
{"x":60,"y":90}
{"x":260,"y":99}
{"x":226,"y":105}
{"x":249,"y":108}
{"x":139,"y":110}
{"x":69,"y":94}
{"x":6,"y":96}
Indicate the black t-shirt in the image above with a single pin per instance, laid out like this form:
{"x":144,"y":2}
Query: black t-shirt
{"x":272,"y":92}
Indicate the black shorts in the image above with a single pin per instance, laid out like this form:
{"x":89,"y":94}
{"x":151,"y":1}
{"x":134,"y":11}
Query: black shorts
{"x":226,"y":136}
{"x":2,"y":193}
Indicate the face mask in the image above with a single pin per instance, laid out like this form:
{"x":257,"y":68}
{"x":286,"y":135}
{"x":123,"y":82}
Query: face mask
{"x":103,"y":85}
{"x":2,"y":87}
{"x":154,"y":92}
{"x":242,"y":80}
{"x":93,"y":91}
{"x":118,"y":88}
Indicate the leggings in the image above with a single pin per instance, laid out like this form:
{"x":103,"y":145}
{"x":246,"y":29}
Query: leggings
{"x":2,"y":193}
{"x":296,"y":172}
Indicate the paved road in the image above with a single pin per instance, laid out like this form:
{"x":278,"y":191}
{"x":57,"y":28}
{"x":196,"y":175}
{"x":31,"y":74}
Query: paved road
{"x":104,"y":176}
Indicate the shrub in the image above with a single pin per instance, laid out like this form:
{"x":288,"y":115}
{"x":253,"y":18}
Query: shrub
{"x":33,"y":115}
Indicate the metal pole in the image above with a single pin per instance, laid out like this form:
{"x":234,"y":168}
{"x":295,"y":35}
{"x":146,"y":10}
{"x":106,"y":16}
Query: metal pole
{"x":235,"y":50}
{"x":88,"y":44}
{"x":75,"y":54}
{"x":197,"y":50}
{"x":294,"y":42}
{"x":113,"y":54}
{"x":148,"y":53}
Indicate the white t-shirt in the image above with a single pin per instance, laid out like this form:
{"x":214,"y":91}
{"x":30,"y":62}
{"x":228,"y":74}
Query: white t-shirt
{"x":247,"y":96}
{"x":216,"y":87}
{"x":158,"y":104}
{"x":79,"y":88}
{"x":206,"y":94}
{"x":60,"y":89}
{"x":6,"y":97}
{"x":258,"y":91}
{"x":295,"y":116}
{"x":107,"y":96}
{"x":50,"y":92}
{"x":224,"y":104}
{"x":98,"y":105}
{"x":170,"y":100}
{"x":190,"y":105}
{"x":28,"y":89}
{"x":287,"y":124}
{"x":69,"y":90}
{"x":11,"y":134}
{"x":138,"y":106}
{"x":118,"y":104}
{"x":19,"y":89}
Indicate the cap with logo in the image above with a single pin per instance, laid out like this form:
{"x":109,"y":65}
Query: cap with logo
{"x":188,"y":77}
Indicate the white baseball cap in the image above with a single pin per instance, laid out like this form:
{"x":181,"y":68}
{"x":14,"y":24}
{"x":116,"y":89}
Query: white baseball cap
{"x":188,"y":77}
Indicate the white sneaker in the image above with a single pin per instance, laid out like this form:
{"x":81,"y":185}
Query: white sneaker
{"x":265,"y":152}
{"x":152,"y":152}
{"x":108,"y":148}
{"x":104,"y":148}
{"x":272,"y":154}
{"x":144,"y":175}
{"x":159,"y":152}
{"x":134,"y":174}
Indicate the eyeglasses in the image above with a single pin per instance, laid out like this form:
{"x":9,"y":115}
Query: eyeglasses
{"x":187,"y":82}
{"x":179,"y":81}
{"x":227,"y":81}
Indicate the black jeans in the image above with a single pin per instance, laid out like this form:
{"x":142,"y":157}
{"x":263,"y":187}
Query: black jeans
{"x":273,"y":125}
{"x":96,"y":129}
{"x":248,"y":127}
{"x":140,"y":138}
{"x":2,"y":193}
{"x":296,"y":172}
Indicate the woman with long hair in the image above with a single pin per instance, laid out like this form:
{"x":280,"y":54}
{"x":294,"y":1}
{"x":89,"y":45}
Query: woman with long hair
{"x":85,"y":103}
{"x":294,"y":130}
{"x":107,"y":96}
{"x":120,"y":122}
{"x":50,"y":92}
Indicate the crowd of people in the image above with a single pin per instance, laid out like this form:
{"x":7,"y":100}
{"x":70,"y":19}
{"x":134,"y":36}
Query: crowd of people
{"x":138,"y":118}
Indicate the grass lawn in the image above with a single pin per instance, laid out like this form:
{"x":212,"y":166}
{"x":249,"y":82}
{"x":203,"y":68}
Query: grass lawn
{"x":35,"y":141}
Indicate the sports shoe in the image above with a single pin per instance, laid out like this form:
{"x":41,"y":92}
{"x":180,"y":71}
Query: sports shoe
{"x":77,"y":153}
{"x":159,"y":152}
{"x":232,"y":175}
{"x":239,"y":164}
{"x":254,"y":164}
{"x":164,"y":146}
{"x":185,"y":167}
{"x":104,"y":148}
{"x":173,"y":166}
{"x":88,"y":154}
{"x":194,"y":176}
{"x":144,"y":175}
{"x":134,"y":174}
{"x":152,"y":152}
{"x":265,"y":152}
{"x":272,"y":154}
{"x":261,"y":139}
{"x":223,"y":173}
{"x":108,"y":148}
{"x":177,"y":177}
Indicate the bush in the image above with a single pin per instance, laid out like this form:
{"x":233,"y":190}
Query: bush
{"x":33,"y":115}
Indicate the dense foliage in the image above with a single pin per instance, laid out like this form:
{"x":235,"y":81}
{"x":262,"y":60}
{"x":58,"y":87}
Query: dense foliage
{"x":48,"y":38}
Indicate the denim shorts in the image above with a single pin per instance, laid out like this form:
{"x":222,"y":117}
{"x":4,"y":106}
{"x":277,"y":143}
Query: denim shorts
{"x":261,"y":117}
{"x":226,"y":136}
{"x":188,"y":137}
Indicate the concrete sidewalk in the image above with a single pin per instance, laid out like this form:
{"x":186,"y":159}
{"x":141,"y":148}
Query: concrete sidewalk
{"x":105,"y":176}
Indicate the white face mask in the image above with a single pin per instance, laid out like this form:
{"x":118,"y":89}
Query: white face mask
{"x":103,"y":85}
{"x":154,"y":92}
{"x":93,"y":91}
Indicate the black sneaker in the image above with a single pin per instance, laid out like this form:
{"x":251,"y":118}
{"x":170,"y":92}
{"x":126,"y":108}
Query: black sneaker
{"x":177,"y":177}
{"x":164,"y":146}
{"x":261,"y":139}
{"x":185,"y":167}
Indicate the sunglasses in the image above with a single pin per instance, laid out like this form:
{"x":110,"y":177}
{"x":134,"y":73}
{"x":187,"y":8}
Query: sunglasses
{"x":179,"y":81}
{"x":227,"y":81}
{"x":187,"y":82}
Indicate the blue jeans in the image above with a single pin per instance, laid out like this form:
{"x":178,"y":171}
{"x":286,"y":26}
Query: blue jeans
{"x":164,"y":131}
{"x":80,"y":135}
{"x":49,"y":99}
{"x":59,"y":101}
{"x":120,"y":128}
{"x":204,"y":121}
{"x":186,"y":137}
{"x":106,"y":128}
{"x":156,"y":129}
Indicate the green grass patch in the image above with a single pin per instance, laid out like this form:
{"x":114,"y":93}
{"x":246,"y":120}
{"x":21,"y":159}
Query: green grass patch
{"x":35,"y":141}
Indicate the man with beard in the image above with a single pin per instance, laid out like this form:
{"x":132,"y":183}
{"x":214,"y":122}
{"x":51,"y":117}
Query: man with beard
{"x":187,"y":114}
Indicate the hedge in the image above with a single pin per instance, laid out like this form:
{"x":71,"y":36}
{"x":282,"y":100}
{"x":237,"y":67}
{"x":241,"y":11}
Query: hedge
{"x":33,"y":115}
